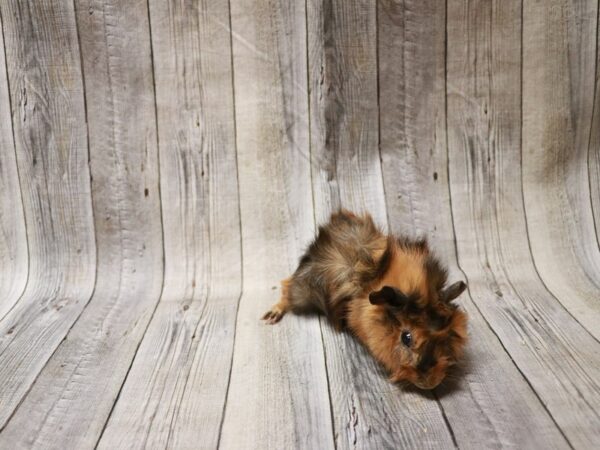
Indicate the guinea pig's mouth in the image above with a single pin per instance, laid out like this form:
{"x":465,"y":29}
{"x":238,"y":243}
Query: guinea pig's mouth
{"x":427,"y":386}
{"x":433,"y":380}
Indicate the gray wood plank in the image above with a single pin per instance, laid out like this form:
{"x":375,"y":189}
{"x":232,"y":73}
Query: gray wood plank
{"x":174,"y":396}
{"x":593,"y":157}
{"x":368,"y":411}
{"x":306,"y":96}
{"x":559,"y":59}
{"x":342,"y":59}
{"x":552,"y":350}
{"x":91,"y":363}
{"x":46,"y":93}
{"x":487,"y":402}
{"x":278,"y":394}
{"x":14,"y":257}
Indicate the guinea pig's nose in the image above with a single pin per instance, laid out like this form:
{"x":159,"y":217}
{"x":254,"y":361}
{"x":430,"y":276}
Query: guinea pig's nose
{"x":427,"y":362}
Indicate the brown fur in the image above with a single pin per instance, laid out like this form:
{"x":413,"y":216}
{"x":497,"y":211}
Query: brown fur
{"x":378,"y":287}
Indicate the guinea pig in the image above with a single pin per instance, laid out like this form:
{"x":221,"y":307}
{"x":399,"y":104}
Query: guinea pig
{"x":389,"y":292}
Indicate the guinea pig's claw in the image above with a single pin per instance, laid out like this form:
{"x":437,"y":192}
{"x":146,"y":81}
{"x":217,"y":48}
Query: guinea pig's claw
{"x":273,"y":316}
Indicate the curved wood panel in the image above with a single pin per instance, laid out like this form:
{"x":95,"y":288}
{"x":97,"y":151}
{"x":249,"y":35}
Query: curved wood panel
{"x":46,"y":90}
{"x":182,"y":366}
{"x":489,"y":404}
{"x":278,"y":390}
{"x":163,"y":165}
{"x":546,"y":344}
{"x":89,"y":366}
{"x":593,"y":157}
{"x":14,"y":256}
{"x":558,"y":84}
{"x":344,"y":126}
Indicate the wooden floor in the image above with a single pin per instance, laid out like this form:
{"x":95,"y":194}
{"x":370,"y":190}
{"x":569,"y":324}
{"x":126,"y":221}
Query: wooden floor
{"x":164,"y":163}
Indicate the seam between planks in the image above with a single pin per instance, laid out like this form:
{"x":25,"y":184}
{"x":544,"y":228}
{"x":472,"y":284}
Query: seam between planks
{"x":314,"y":214}
{"x":446,"y":421}
{"x":162,"y":232}
{"x":595,"y":94}
{"x":12,"y":129}
{"x":237,"y":172}
{"x":310,"y":156}
{"x":445,"y":417}
{"x":387,"y":214}
{"x":87,"y":129}
{"x":331,"y":414}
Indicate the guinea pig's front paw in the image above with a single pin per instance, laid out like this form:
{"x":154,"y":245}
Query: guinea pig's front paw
{"x":275,"y":314}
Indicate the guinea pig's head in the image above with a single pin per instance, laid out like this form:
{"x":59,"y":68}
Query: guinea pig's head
{"x":425,"y":334}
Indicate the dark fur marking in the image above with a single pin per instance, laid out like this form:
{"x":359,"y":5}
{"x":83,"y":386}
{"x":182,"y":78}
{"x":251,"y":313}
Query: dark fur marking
{"x":427,"y":360}
{"x":391,"y":317}
{"x":384,"y":262}
{"x":304,"y":261}
{"x":437,"y":321}
{"x":378,"y":270}
{"x":337,"y":313}
{"x":412,"y":244}
{"x":437,"y":275}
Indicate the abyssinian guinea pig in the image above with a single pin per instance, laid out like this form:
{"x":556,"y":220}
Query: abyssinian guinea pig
{"x":389,"y":292}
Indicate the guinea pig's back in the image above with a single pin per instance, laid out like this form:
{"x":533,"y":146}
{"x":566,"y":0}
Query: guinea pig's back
{"x":344,"y":257}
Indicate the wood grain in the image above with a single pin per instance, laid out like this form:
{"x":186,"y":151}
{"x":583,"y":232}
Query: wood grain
{"x":368,"y":411}
{"x":163,"y":165}
{"x":89,"y":366}
{"x":549,"y":348}
{"x":412,"y":113}
{"x":46,"y":93}
{"x":593,"y":157}
{"x":278,"y":394}
{"x":175,"y":393}
{"x":557,"y":113}
{"x":342,"y":60}
{"x":14,"y":256}
{"x":487,"y":402}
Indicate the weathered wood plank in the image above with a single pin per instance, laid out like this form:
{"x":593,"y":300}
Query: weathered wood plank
{"x":549,"y":347}
{"x":278,"y":395}
{"x":175,"y":393}
{"x":532,"y":365}
{"x":593,"y":159}
{"x":559,"y":61}
{"x":14,"y":257}
{"x":342,"y":58}
{"x":46,"y":93}
{"x":487,"y":402}
{"x":368,"y":411}
{"x":89,"y":366}
{"x":412,"y":114}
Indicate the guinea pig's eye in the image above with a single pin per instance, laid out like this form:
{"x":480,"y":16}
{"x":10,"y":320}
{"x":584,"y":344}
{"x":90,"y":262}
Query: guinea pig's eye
{"x":406,"y":338}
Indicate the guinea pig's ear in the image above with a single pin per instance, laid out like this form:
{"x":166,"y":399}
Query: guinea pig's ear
{"x":454,"y":290}
{"x":387,"y":296}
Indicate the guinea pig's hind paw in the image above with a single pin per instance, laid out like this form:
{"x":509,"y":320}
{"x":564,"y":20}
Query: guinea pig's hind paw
{"x":274,"y":315}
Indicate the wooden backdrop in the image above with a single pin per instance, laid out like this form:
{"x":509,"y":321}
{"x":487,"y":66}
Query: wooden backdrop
{"x":164,"y":163}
